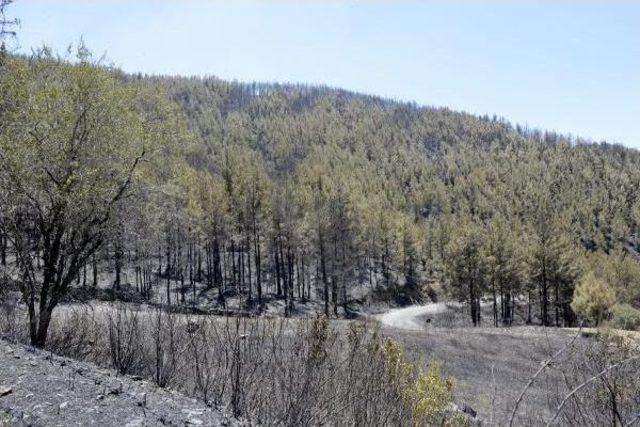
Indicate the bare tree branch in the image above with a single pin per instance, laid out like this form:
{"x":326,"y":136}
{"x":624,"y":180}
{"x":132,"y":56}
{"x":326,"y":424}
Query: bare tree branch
{"x":535,"y":376}
{"x":585,"y":383}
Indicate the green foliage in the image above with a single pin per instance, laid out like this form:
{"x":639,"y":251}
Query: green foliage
{"x":432,"y":393}
{"x":362,"y":190}
{"x":426,"y":391}
{"x":621,"y":271}
{"x":465,"y":266}
{"x":72,"y":142}
{"x":624,"y":316}
{"x":399,"y":184}
{"x":593,"y":298}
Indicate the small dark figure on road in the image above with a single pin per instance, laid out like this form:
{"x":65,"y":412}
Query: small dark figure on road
{"x":469,"y":411}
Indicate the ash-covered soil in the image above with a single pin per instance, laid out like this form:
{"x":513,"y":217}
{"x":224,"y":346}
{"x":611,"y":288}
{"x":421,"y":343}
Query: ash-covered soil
{"x":41,"y":389}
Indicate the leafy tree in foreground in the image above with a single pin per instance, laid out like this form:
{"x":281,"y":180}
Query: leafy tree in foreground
{"x":69,"y":152}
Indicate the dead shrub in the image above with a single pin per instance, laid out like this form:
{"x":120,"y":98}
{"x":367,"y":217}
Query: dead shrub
{"x":271,"y":371}
{"x":125,"y":340}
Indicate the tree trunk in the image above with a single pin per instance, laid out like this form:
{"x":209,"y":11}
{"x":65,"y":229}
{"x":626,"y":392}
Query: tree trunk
{"x":199,"y":275}
{"x":343,"y":281}
{"x":557,"y":302}
{"x":290,"y":262}
{"x":277,"y":260}
{"x":233,"y":265}
{"x":117,"y":258}
{"x":3,"y":249}
{"x":325,"y":282}
{"x":385,"y":268}
{"x":208,"y":264}
{"x":334,"y":279}
{"x":303,"y":279}
{"x":241,"y":268}
{"x":168,"y":269}
{"x":298,"y":280}
{"x":508,"y":312}
{"x":224,"y":267}
{"x":285,"y":280}
{"x":249,"y":272}
{"x":217,"y":266}
{"x":40,"y":338}
{"x":33,"y":319}
{"x":544,"y":298}
{"x":495,"y":304}
{"x":472,"y":301}
{"x":258,"y":261}
{"x":503,"y":309}
{"x":94,"y":264}
{"x":168,"y":289}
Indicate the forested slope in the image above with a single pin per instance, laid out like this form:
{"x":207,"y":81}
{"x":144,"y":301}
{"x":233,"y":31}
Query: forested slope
{"x":311,"y":193}
{"x":363,"y":189}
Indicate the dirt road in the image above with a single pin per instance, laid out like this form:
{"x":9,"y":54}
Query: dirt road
{"x":408,"y":318}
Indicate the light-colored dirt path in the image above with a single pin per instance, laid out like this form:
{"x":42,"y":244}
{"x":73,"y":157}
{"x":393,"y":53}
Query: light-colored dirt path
{"x":408,"y":318}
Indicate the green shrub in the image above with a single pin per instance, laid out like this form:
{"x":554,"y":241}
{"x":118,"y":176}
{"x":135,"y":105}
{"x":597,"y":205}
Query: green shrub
{"x":593,"y":298}
{"x":428,"y":392}
{"x":624,"y":316}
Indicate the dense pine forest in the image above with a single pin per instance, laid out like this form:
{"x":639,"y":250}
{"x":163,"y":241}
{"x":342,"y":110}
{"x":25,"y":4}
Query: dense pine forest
{"x":180,"y":187}
{"x":361,"y":190}
{"x":298,"y":255}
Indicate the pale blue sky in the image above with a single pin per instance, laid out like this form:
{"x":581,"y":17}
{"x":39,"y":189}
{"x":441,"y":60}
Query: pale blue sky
{"x":570,"y":66}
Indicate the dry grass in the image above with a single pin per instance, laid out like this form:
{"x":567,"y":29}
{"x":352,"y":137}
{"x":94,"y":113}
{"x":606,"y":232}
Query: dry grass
{"x":492,"y":366}
{"x":310,"y":372}
{"x":270,"y":371}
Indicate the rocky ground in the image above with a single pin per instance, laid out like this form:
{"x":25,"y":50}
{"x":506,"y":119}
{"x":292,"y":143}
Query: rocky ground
{"x":41,"y":389}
